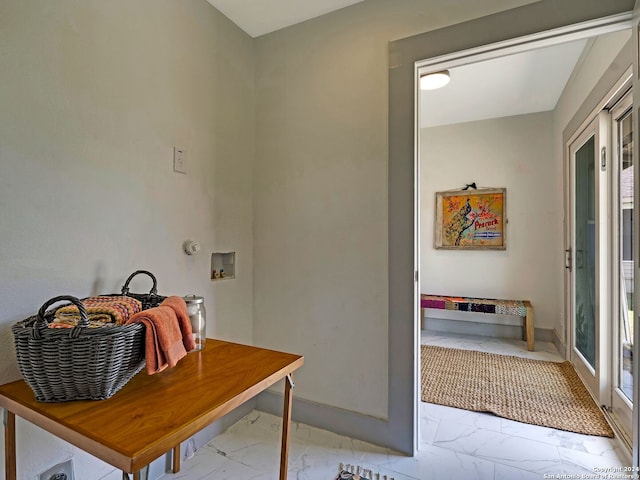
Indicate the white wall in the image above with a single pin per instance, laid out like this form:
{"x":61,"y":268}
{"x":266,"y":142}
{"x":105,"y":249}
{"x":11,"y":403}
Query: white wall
{"x":321,"y":235}
{"x":513,"y":153}
{"x":596,"y":59}
{"x":94,"y":96}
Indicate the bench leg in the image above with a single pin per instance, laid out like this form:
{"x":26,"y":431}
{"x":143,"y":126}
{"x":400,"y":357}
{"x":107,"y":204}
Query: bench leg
{"x":529,"y":327}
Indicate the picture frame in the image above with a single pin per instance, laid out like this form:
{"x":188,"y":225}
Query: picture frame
{"x":471,"y":219}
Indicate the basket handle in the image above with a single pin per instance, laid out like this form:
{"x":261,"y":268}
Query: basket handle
{"x":154,"y":289}
{"x":41,"y":323}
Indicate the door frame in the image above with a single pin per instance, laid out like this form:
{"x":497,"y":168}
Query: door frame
{"x":442,"y":38}
{"x":537,"y":40}
{"x":593,"y":377}
{"x":621,"y":405}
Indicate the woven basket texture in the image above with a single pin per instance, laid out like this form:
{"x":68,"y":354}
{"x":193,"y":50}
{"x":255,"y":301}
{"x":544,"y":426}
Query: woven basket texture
{"x":80,"y":363}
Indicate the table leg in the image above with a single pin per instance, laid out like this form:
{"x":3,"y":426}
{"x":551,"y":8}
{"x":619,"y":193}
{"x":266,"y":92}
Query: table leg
{"x":176,"y":459}
{"x":9,"y":420}
{"x":286,"y":424}
{"x":142,"y":474}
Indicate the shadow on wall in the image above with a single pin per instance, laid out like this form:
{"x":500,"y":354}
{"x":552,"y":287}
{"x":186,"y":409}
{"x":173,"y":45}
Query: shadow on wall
{"x":9,"y":370}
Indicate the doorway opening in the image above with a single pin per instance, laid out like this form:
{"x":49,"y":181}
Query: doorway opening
{"x":516,"y":143}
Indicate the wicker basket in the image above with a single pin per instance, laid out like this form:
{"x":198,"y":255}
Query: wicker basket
{"x":80,"y":363}
{"x":149,"y":300}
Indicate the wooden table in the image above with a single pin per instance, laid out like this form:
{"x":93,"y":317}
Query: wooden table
{"x":152,"y":414}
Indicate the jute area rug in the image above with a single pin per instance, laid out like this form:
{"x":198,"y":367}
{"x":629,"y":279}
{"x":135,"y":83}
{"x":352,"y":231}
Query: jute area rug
{"x":544,"y":393}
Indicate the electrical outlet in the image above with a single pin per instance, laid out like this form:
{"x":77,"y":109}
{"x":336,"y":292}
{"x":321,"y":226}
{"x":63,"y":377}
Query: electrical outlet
{"x":179,"y":160}
{"x":62,"y":471}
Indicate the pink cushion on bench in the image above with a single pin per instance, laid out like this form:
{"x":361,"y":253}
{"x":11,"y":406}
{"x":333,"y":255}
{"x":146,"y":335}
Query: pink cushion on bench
{"x":432,"y":303}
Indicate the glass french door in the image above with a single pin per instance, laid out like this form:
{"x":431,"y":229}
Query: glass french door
{"x":589,"y":244}
{"x":600,"y":259}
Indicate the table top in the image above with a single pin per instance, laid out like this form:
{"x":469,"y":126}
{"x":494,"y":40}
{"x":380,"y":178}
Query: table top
{"x":154,"y":413}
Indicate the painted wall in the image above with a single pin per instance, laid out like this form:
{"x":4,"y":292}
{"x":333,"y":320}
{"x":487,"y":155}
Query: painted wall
{"x":599,"y":58}
{"x":320,"y":194}
{"x":94,"y":96}
{"x":514,"y":153}
{"x":95,"y":90}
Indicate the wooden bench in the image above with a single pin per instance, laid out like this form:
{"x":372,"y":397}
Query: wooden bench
{"x":519,"y":308}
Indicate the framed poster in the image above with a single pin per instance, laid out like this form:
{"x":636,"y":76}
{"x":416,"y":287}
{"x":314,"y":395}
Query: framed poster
{"x":471,"y":219}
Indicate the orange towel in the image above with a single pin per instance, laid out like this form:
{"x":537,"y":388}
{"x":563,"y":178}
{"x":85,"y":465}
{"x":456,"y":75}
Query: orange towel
{"x":180,"y":307}
{"x":163,"y":338}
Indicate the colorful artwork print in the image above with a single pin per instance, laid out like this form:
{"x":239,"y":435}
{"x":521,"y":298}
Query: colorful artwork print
{"x":471,"y":219}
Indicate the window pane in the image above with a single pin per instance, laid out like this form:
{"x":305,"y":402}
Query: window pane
{"x":585,"y":255}
{"x":626,"y":182}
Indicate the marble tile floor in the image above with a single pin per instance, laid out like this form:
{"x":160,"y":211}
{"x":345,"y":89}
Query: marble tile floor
{"x":455,"y":444}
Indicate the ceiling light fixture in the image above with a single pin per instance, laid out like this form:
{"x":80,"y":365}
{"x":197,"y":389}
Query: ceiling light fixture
{"x":432,"y":81}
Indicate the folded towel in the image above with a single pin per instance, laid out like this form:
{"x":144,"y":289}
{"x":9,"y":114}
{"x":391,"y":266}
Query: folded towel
{"x":96,"y":320}
{"x":163,"y":338}
{"x":119,"y":307}
{"x":180,"y":308}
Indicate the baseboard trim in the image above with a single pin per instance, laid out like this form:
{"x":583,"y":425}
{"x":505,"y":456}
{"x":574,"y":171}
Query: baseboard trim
{"x":559,"y":343}
{"x":343,"y":422}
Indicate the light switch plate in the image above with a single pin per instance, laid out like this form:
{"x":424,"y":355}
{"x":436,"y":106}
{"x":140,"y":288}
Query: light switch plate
{"x":179,"y":160}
